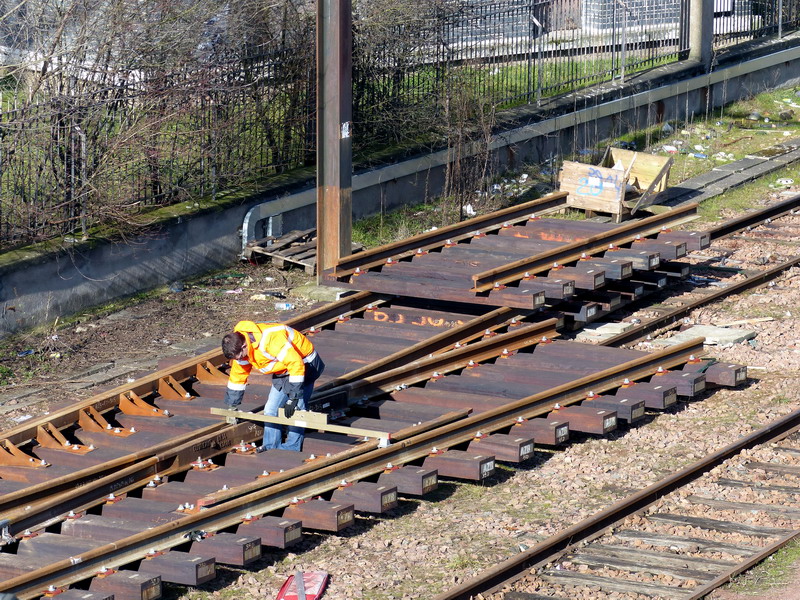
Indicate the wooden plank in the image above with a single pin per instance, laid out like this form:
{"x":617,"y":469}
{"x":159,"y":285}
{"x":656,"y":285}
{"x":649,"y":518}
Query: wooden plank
{"x":636,"y":565}
{"x":773,"y":468}
{"x":657,"y":185}
{"x":747,"y":507}
{"x":607,"y":584}
{"x":303,"y":418}
{"x":642,"y":169}
{"x":717,"y":525}
{"x":783,"y":489}
{"x":647,"y":557}
{"x":289,"y":238}
{"x":592,"y":187}
{"x":686,"y":543}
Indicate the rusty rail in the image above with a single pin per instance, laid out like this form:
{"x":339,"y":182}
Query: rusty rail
{"x":544,"y":552}
{"x":438,"y":237}
{"x":772,"y":211}
{"x":274,"y":494}
{"x":516,"y":271}
{"x":439,"y":364}
{"x":444,"y":341}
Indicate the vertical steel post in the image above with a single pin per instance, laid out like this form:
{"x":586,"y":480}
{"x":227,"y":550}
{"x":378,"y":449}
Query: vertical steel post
{"x":334,"y":132}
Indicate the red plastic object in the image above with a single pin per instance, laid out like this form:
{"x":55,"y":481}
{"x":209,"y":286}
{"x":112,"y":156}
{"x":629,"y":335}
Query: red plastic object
{"x":314,"y":582}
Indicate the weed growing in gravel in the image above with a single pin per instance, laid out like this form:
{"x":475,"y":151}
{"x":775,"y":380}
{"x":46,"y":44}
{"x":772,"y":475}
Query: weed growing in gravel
{"x":399,"y":224}
{"x":782,"y":399}
{"x":774,"y":571}
{"x":470,"y":490}
{"x":5,"y":375}
{"x":461,"y":562}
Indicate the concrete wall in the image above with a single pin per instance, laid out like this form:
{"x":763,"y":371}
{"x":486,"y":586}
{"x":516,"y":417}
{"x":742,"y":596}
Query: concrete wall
{"x":35,"y":290}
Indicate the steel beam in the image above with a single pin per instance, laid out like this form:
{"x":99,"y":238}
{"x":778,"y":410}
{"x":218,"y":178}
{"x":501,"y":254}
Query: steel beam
{"x":334,"y":132}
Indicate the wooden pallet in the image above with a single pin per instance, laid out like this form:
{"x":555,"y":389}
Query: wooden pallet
{"x":296,"y":248}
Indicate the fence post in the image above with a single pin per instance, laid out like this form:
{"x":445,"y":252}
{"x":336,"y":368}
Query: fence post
{"x":701,"y":32}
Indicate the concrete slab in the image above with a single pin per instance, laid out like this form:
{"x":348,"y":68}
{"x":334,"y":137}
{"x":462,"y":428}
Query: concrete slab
{"x":721,"y":336}
{"x":788,"y":158}
{"x":596,"y":332}
{"x":740,"y":165}
{"x":322,"y":293}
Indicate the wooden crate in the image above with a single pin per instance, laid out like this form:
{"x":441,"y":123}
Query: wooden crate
{"x":621,"y":184}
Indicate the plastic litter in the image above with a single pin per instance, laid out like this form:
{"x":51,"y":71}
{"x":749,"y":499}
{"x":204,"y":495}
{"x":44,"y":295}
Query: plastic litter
{"x":312,"y":582}
{"x":785,"y":181}
{"x":670,"y":149}
{"x":284,"y":306}
{"x":25,"y":352}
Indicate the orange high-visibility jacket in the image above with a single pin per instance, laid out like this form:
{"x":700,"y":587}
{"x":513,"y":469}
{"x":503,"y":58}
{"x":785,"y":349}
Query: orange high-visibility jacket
{"x":271,"y":348}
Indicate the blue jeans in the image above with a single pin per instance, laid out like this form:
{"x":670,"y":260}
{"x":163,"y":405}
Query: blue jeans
{"x":273,"y":434}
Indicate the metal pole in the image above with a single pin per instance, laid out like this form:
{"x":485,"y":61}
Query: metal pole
{"x":539,"y":65}
{"x":334,"y":132}
{"x":624,"y":51}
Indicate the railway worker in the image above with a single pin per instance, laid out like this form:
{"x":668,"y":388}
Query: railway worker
{"x":286,"y":354}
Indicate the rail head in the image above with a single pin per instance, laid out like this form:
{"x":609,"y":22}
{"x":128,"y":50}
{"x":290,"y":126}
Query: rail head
{"x":438,"y":237}
{"x":363,"y":461}
{"x":515,"y":271}
{"x":494,"y":578}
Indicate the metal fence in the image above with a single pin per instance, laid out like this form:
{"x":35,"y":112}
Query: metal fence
{"x":105,"y":156}
{"x":741,"y":20}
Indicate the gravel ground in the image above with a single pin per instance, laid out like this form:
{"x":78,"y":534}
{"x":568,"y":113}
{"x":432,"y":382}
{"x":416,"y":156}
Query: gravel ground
{"x":425,"y":547}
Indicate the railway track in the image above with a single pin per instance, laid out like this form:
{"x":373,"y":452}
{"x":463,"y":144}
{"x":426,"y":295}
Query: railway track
{"x":143,"y":484}
{"x":682,"y":537}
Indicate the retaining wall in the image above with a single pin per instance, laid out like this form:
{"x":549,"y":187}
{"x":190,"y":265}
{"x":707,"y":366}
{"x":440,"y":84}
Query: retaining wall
{"x":36,"y":288}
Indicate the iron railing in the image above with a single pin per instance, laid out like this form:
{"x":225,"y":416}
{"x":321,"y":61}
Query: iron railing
{"x":106,"y":153}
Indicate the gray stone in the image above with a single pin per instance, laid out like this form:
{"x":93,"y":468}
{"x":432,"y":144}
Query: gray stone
{"x":321,"y":293}
{"x":740,"y":165}
{"x":596,"y":332}
{"x":721,"y":336}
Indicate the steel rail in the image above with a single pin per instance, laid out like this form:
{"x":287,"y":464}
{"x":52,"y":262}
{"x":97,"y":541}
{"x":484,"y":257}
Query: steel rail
{"x":79,"y":482}
{"x":347,"y":265}
{"x":100,"y":480}
{"x":46,"y":499}
{"x":271,"y":497}
{"x":673,"y":316}
{"x":40,"y":512}
{"x":547,"y":550}
{"x":427,"y":368}
{"x":149,"y":385}
{"x":772,"y":211}
{"x":515,"y":271}
{"x":444,"y":341}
